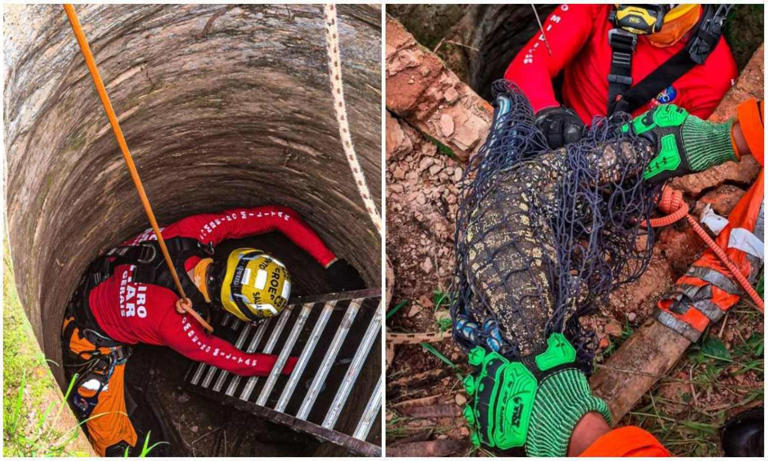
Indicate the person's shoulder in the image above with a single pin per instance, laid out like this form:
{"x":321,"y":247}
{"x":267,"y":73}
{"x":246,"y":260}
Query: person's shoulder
{"x":722,"y":57}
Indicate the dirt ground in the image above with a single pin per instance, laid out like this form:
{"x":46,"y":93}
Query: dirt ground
{"x":719,"y":376}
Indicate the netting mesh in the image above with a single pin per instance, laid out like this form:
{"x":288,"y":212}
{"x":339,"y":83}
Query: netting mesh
{"x":544,"y":236}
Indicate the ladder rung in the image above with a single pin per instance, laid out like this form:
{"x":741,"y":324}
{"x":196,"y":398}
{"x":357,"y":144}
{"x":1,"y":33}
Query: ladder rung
{"x":328,"y":359}
{"x":284,"y":353}
{"x":371,"y":333}
{"x":251,"y":349}
{"x":238,"y":344}
{"x":306,"y":353}
{"x":281,"y":321}
{"x":370,"y":412}
{"x":202,"y":366}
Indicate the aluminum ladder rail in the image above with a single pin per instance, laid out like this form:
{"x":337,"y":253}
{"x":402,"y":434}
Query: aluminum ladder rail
{"x":333,"y":336}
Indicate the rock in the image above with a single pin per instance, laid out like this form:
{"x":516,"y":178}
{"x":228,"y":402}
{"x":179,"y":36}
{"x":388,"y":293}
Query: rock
{"x":426,"y":266}
{"x":723,"y":199}
{"x":396,"y":141}
{"x":435,"y":169}
{"x":446,"y":125}
{"x":460,"y":399}
{"x":194,"y":429}
{"x":450,"y":94}
{"x":425,"y":163}
{"x":420,"y":97}
{"x":399,"y":173}
{"x":613,"y":328}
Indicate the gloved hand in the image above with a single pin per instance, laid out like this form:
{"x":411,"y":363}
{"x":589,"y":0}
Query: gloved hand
{"x":684,"y":143}
{"x":560,"y":125}
{"x":342,"y":276}
{"x":535,"y":402}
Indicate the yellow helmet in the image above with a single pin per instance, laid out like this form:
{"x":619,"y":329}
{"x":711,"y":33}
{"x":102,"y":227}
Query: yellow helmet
{"x":255,"y":285}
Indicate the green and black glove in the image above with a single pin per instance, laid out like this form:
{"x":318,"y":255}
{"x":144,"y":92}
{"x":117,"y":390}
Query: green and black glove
{"x":535,"y":402}
{"x":684,"y":143}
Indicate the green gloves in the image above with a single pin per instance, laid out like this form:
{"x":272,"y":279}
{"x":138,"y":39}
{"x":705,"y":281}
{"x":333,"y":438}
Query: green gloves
{"x":535,"y":402}
{"x":684,"y":143}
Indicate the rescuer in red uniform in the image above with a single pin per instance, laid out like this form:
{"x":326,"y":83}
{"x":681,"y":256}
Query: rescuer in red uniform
{"x":626,"y":58}
{"x":128,"y":297}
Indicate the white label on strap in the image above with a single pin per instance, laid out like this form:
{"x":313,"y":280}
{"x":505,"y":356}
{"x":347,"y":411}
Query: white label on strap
{"x":712,"y":220}
{"x":746,"y":241}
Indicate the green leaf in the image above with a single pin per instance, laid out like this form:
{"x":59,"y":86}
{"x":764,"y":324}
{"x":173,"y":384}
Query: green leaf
{"x":445,"y":324}
{"x":714,"y":348}
{"x":431,"y":349}
{"x":394,"y":310}
{"x":439,"y":298}
{"x":755,"y":343}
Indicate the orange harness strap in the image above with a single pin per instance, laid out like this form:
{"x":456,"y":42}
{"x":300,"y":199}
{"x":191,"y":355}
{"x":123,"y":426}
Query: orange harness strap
{"x":184,"y":302}
{"x":672,"y":202}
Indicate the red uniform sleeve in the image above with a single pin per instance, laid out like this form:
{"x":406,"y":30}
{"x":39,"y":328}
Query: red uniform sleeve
{"x":182,"y":334}
{"x":567,"y":29}
{"x":626,"y":441}
{"x":717,"y":75}
{"x":244,"y":222}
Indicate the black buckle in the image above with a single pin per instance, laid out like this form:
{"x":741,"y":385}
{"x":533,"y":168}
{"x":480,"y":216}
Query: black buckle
{"x":622,"y":38}
{"x":147,"y":249}
{"x":207,"y":249}
{"x":621,"y":79}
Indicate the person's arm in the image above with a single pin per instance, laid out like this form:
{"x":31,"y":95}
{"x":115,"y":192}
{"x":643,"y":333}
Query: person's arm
{"x":687,"y":144}
{"x":600,"y":441}
{"x":567,"y":29}
{"x":245,"y":222}
{"x":182,"y":334}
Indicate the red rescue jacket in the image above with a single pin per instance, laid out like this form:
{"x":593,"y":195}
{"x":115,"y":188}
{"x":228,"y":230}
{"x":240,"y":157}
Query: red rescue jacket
{"x":133,"y":313}
{"x":578,"y":38}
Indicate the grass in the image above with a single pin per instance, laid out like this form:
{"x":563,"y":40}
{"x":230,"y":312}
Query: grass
{"x":32,"y":404}
{"x":707,"y":390}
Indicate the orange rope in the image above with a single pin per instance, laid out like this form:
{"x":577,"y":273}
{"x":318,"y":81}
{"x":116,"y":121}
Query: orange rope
{"x":672,"y":202}
{"x":184,"y":302}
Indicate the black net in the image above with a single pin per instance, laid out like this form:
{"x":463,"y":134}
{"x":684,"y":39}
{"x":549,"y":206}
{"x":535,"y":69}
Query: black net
{"x":543,"y":236}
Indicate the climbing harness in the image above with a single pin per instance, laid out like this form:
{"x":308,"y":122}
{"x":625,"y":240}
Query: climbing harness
{"x":183,"y":302}
{"x":622,"y":96}
{"x":672,"y":203}
{"x":339,"y":106}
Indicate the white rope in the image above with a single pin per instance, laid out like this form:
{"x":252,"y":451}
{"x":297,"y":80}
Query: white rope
{"x":337,"y":88}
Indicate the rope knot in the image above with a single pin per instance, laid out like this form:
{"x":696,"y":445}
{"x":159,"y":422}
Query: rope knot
{"x":671,"y":200}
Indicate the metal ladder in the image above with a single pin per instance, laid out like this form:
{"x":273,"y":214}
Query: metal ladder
{"x":332,"y":335}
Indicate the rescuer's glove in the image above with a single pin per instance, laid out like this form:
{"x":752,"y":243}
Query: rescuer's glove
{"x":342,"y":276}
{"x":560,"y":126}
{"x":683,"y":143}
{"x":535,"y":402}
